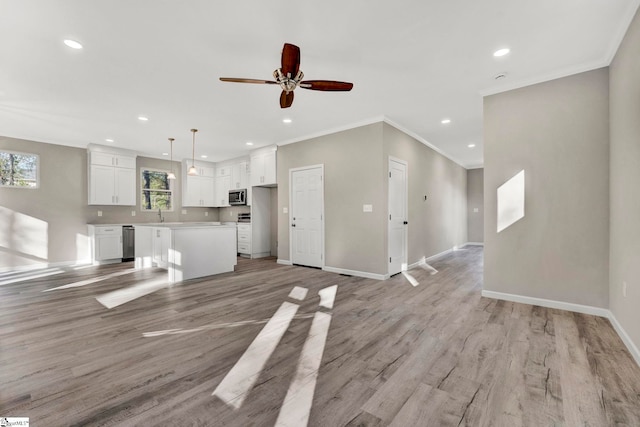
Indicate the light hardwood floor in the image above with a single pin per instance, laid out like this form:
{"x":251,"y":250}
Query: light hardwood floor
{"x":433,"y":355}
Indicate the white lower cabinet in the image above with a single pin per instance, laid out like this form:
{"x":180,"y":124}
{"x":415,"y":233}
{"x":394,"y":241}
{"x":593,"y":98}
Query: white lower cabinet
{"x":106,"y":243}
{"x":244,"y":239}
{"x":161,"y":240}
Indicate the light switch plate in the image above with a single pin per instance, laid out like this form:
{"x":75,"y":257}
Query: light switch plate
{"x":285,"y":210}
{"x":476,"y":210}
{"x":206,"y":213}
{"x":367,"y":208}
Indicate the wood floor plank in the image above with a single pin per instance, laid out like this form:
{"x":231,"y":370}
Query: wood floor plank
{"x":435,"y":354}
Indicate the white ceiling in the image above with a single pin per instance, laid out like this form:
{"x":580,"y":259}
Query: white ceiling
{"x":412,"y":62}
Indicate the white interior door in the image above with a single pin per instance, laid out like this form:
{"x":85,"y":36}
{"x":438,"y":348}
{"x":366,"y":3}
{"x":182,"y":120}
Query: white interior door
{"x":397,"y":216}
{"x":306,"y":216}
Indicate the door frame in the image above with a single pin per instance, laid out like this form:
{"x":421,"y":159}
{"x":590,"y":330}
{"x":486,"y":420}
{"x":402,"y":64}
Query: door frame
{"x":290,"y":218}
{"x":404,"y":262}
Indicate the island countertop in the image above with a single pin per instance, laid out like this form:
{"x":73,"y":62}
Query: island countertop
{"x":186,"y":250}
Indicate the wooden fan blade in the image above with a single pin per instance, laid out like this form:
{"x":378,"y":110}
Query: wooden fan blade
{"x":326,"y":85}
{"x":286,"y":99}
{"x":290,"y":60}
{"x":235,"y":80}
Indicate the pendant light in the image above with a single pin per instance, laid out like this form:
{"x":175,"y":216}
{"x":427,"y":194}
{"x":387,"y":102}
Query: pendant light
{"x":171,"y":175}
{"x":192,"y":170}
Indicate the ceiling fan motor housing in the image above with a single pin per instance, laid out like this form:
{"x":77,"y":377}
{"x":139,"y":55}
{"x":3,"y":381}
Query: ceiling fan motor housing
{"x":286,"y":83}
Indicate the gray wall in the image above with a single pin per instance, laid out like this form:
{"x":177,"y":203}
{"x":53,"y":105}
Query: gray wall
{"x":475,"y":200}
{"x":356,"y":168}
{"x":353,"y":176}
{"x":439,"y":223}
{"x":49,"y":224}
{"x":625,"y":181}
{"x":558,"y":132}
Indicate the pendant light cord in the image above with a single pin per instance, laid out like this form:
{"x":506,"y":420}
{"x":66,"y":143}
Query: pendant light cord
{"x":193,"y":153}
{"x":171,"y":151}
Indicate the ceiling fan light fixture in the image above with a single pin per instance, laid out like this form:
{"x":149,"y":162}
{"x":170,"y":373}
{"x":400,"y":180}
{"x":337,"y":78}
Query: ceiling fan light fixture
{"x":192,"y":170}
{"x":289,"y":76}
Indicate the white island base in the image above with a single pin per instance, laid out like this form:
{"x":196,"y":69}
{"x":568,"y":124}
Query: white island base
{"x":186,"y":250}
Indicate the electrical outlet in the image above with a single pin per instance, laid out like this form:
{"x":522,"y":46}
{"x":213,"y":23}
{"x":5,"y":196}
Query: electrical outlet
{"x":230,"y":213}
{"x":367,"y":208}
{"x":99,"y":213}
{"x":624,"y":289}
{"x":184,"y":211}
{"x":206,"y":213}
{"x":476,"y":210}
{"x":133,"y":213}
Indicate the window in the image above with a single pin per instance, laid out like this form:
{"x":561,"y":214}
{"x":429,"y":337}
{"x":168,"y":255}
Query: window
{"x":156,"y":191}
{"x":18,"y":170}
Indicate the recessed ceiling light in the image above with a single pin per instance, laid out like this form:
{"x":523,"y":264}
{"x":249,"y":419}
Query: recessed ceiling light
{"x":165,"y":154}
{"x":471,"y":145}
{"x":445,"y":121}
{"x":501,"y":52}
{"x":286,"y":121}
{"x":143,"y":118}
{"x":204,"y":156}
{"x":73,"y":44}
{"x":109,"y":140}
{"x":249,"y":143}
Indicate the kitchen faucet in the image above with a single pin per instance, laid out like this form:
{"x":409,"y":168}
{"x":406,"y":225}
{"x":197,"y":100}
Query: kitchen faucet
{"x":160,"y":215}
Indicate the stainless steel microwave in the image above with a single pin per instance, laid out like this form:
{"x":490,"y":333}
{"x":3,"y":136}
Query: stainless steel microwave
{"x":238,"y":197}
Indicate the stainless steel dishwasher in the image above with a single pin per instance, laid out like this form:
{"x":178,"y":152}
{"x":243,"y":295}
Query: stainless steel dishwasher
{"x":128,"y":243}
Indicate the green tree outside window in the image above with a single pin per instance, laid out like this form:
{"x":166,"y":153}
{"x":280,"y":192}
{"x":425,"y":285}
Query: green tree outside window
{"x":18,"y":169}
{"x":156,"y":191}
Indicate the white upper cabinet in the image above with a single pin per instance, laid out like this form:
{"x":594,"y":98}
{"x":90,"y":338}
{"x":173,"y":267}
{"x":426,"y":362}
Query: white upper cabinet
{"x":240,"y":175}
{"x":198,"y":190}
{"x":223,"y":170}
{"x":263,"y":167}
{"x":112,"y":176}
{"x":222,"y":190}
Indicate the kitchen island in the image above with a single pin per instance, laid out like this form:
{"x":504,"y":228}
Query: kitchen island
{"x":186,"y":250}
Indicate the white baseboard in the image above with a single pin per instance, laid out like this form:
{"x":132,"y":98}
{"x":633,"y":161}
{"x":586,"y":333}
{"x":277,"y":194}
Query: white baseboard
{"x":356,"y":273}
{"x":474,"y":244}
{"x":421,"y":261}
{"x":633,"y":349}
{"x":578,"y":308}
{"x":560,"y":305}
{"x":284,"y":262}
{"x":441,"y":254}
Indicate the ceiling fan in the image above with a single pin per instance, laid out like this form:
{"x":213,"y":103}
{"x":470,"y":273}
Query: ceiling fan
{"x":289,"y":76}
